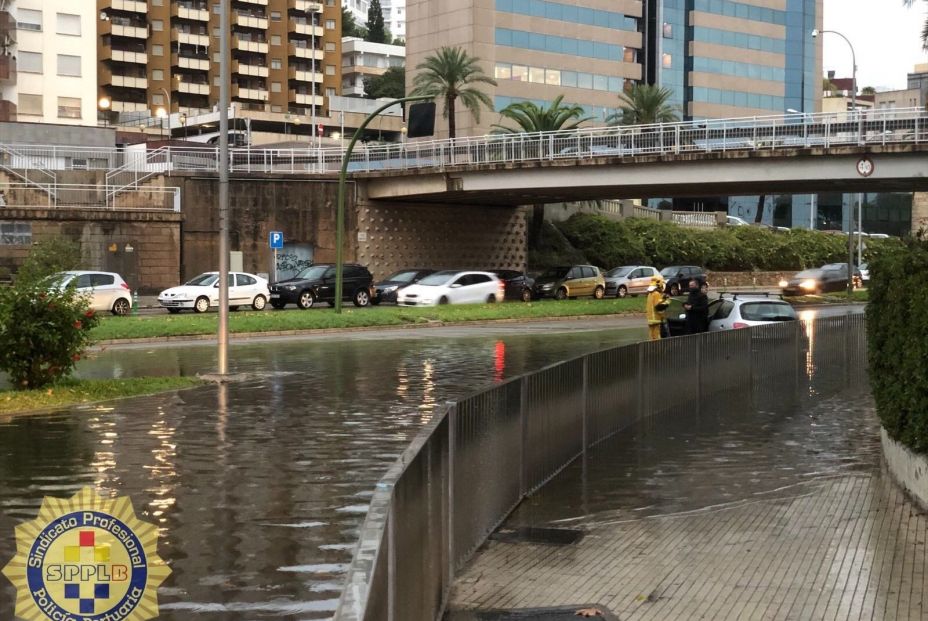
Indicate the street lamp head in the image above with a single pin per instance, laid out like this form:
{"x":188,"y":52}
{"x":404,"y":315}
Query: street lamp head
{"x":161,"y":113}
{"x":815,"y":33}
{"x":104,"y":103}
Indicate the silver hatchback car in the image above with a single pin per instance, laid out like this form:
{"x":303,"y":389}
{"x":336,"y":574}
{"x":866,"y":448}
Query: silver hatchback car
{"x":744,"y":310}
{"x":629,"y":280}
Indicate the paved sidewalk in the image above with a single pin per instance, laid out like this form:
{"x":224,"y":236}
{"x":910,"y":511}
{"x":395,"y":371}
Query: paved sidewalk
{"x":717,"y":522}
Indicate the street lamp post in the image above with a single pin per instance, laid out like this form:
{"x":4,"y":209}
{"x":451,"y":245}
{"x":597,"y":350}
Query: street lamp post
{"x":854,"y":111}
{"x":222,"y":367}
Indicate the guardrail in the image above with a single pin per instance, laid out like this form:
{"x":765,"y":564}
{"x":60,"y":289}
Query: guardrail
{"x":479,"y":457}
{"x":876,"y":127}
{"x":86,"y":196}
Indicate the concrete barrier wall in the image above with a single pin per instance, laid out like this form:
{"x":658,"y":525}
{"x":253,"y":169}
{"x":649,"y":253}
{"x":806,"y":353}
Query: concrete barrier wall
{"x":910,"y":470}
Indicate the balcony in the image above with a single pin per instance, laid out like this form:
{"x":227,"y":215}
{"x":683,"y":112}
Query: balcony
{"x":306,"y":52}
{"x":305,"y":29}
{"x":305,"y":6}
{"x":107,"y":27}
{"x":7,"y":68}
{"x":121,"y":56}
{"x":306,"y":76}
{"x":249,"y":21}
{"x":184,"y":62}
{"x":128,"y":106}
{"x":304,"y":99}
{"x":7,"y":111}
{"x":257,"y":94}
{"x":258,"y":47}
{"x":255,"y":2}
{"x":189,"y":38}
{"x":193,"y":88}
{"x":242,"y":68}
{"x":181,"y":12}
{"x":129,"y":6}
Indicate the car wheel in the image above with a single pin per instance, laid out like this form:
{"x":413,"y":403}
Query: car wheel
{"x":599,"y":293}
{"x":259,"y":302}
{"x":376,"y":301}
{"x":173,"y":311}
{"x":561,"y":294}
{"x":491,"y":299}
{"x":362,"y":298}
{"x":622,"y":292}
{"x":201,"y":305}
{"x":121,"y":307}
{"x":306,"y":300}
{"x":278,"y":305}
{"x":443,"y":300}
{"x":526,"y":295}
{"x":674,"y":290}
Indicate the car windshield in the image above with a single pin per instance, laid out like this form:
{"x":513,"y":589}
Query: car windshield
{"x":437,"y":279}
{"x":671,"y":272}
{"x":809,"y":274}
{"x":555,"y":273}
{"x":57,"y":280}
{"x":313,"y":272}
{"x":203,"y":280}
{"x":403,"y":276}
{"x":767,"y":311}
{"x":619,"y":272}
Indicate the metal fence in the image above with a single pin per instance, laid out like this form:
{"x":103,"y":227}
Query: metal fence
{"x":791,"y":131}
{"x":85,"y":196}
{"x":479,"y":457}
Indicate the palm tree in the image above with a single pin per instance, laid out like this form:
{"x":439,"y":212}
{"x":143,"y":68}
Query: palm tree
{"x":644,"y":104}
{"x":924,"y":28}
{"x":530,"y":118}
{"x":451,"y":74}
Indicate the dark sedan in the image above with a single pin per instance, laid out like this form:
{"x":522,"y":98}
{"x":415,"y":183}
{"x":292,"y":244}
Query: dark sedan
{"x":518,"y":285}
{"x":828,"y":278}
{"x":385,"y":291}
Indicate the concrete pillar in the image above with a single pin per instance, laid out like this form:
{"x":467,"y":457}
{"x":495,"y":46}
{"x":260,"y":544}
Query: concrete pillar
{"x":919,"y":211}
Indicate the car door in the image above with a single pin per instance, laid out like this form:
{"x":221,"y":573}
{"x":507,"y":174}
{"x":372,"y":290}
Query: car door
{"x":647,"y":273}
{"x":84,"y":288}
{"x":248,"y":288}
{"x":574,"y":281}
{"x":634,"y":281}
{"x":458,"y":290}
{"x":102,"y":291}
{"x":235,"y":294}
{"x":326,"y":287}
{"x":482,"y":287}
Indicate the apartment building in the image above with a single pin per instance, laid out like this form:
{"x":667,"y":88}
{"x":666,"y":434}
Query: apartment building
{"x":362,"y":59}
{"x":160,"y":56}
{"x":46,"y":72}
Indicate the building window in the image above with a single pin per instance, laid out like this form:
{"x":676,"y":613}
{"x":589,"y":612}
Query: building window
{"x":69,"y":108}
{"x":329,"y":46}
{"x":29,"y":104}
{"x":275,"y":39}
{"x":503,"y":71}
{"x":276,"y":108}
{"x":69,"y":24}
{"x":667,"y":61}
{"x":157,"y":74}
{"x":157,"y":99}
{"x":217,"y":57}
{"x":276,"y":64}
{"x":157,"y":50}
{"x":330,"y":24}
{"x":330,"y":92}
{"x":630,"y":55}
{"x":330,"y":69}
{"x":157,"y":2}
{"x":275,"y":16}
{"x":157,"y":25}
{"x":16,"y":233}
{"x":216,"y":81}
{"x":69,"y":65}
{"x":28,"y":19}
{"x":520,"y":73}
{"x":536,"y":75}
{"x":275,"y":87}
{"x":217,"y":32}
{"x":217,"y":9}
{"x":668,"y":30}
{"x":29,"y":62}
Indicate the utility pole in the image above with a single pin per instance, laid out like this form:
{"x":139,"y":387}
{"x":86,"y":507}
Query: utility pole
{"x":224,"y":79}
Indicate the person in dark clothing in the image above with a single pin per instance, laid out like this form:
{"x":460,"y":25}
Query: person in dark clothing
{"x":697,"y":310}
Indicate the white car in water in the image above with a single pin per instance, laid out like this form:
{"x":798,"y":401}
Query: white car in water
{"x":202,"y":293}
{"x":453,"y":287}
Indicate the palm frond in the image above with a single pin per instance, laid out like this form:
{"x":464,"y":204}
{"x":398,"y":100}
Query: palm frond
{"x":530,"y":118}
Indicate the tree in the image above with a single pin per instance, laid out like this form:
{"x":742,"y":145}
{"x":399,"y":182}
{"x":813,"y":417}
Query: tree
{"x":924,"y":28}
{"x":56,"y":254}
{"x":376,"y":28}
{"x":350,"y":27}
{"x":644,"y":104}
{"x":452,"y":74}
{"x":868,"y":90}
{"x":391,"y":84}
{"x":829,"y":88}
{"x":531,"y":118}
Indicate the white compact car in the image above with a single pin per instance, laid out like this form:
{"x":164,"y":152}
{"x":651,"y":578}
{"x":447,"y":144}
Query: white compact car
{"x":202,"y":292}
{"x":105,"y":291}
{"x":453,"y":287}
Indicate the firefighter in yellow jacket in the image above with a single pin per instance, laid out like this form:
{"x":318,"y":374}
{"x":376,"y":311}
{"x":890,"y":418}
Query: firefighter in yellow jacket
{"x":656,"y":306}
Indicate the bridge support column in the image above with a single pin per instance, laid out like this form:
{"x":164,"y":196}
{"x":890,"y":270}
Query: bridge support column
{"x":919,"y":211}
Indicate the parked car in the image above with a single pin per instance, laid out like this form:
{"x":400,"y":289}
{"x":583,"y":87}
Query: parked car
{"x":570,"y":281}
{"x":825,"y":279}
{"x":202,"y":293}
{"x":864,"y":271}
{"x":518,"y":285}
{"x":105,"y":291}
{"x":734,"y":311}
{"x":735,"y":221}
{"x":385,"y":290}
{"x":677,"y":278}
{"x":629,"y":280}
{"x":453,"y":287}
{"x":316,"y":283}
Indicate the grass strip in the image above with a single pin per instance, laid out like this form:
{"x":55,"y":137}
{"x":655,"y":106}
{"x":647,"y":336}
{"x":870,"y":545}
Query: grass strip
{"x":73,"y":392}
{"x":189,"y":324}
{"x":859,"y":295}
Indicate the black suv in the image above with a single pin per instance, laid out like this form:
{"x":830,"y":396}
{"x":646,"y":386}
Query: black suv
{"x":677,"y":278}
{"x":317,"y":284}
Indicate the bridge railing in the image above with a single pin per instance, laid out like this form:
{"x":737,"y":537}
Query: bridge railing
{"x":821,"y":130}
{"x":480,"y":456}
{"x":21,"y":195}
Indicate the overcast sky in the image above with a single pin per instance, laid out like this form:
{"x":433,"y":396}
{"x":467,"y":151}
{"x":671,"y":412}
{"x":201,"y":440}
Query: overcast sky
{"x":885,"y":35}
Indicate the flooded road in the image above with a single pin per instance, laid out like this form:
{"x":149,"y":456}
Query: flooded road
{"x":258,"y":487}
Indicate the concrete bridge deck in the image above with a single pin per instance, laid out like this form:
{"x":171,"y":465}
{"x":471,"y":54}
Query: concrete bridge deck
{"x":778,"y":513}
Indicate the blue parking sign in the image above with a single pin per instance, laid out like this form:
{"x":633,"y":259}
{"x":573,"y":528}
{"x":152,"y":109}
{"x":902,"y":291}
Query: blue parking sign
{"x":277,"y":240}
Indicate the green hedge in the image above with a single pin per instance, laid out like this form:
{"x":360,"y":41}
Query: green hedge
{"x":897,"y":327}
{"x":608,"y":244}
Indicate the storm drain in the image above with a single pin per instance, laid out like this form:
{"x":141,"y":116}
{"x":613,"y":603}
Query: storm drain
{"x":539,"y":536}
{"x":560,"y":613}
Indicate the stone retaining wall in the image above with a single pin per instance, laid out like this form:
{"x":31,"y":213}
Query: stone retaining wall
{"x":909,"y":469}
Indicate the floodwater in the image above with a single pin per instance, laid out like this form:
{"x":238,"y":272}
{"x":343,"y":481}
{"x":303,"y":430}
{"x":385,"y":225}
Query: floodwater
{"x":259,"y":487}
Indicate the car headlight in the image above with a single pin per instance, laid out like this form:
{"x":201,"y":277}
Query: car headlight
{"x":290,"y":288}
{"x":390,"y":289}
{"x":548,"y":286}
{"x":783,"y":284}
{"x":808,"y":285}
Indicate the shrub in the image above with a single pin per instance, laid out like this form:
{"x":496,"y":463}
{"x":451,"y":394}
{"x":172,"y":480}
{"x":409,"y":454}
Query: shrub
{"x":52,"y":255}
{"x":897,"y":329}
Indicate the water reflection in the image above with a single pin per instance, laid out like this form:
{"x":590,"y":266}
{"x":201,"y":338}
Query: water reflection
{"x":258,"y":487}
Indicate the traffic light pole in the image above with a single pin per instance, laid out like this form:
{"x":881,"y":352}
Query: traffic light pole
{"x":342,"y":181}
